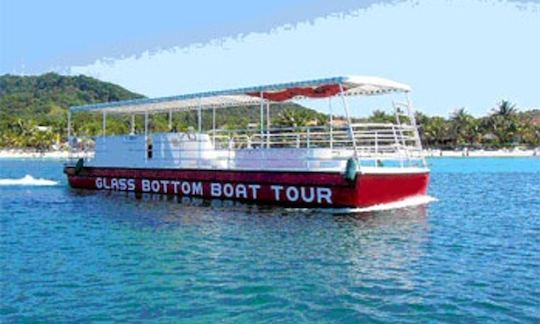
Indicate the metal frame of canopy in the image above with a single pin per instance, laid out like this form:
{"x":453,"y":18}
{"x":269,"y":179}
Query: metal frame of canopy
{"x":250,"y":96}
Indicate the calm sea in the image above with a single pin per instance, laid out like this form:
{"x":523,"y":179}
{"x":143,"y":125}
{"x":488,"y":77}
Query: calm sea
{"x":471,"y":256}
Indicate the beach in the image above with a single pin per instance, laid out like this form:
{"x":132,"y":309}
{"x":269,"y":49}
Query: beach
{"x":22,"y":154}
{"x":482,"y":153}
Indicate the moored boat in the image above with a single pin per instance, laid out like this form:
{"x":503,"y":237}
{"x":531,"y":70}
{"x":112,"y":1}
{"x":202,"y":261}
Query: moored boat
{"x":335,"y":165}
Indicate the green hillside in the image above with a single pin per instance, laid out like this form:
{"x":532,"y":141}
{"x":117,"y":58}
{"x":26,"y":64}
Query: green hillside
{"x":30,"y":101}
{"x":44,"y":99}
{"x":27,"y":102}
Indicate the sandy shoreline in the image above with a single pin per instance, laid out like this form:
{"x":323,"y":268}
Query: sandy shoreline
{"x":482,"y":153}
{"x":64,"y":155}
{"x":19,"y":154}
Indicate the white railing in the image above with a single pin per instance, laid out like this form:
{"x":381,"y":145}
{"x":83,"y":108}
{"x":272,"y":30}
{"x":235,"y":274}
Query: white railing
{"x":370,"y":138}
{"x":316,"y":147}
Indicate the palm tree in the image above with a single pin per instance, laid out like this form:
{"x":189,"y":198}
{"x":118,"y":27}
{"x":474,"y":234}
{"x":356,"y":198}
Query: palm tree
{"x":435,"y":131}
{"x":504,"y":122}
{"x":504,"y":109}
{"x":40,"y":140}
{"x":291,"y":118}
{"x":463,"y":127}
{"x":528,"y":133}
{"x":379,"y":116}
{"x":322,"y":119}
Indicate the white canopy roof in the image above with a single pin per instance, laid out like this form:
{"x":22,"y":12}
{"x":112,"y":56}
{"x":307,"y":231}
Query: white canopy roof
{"x":367,"y":86}
{"x":351,"y":85}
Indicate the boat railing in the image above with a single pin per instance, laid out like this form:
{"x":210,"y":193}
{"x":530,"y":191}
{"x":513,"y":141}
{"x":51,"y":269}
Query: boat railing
{"x":375,"y":138}
{"x":81,"y":147}
{"x":285,"y":147}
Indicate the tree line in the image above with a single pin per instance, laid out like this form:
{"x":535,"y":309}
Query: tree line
{"x":33,"y":114}
{"x":504,"y":127}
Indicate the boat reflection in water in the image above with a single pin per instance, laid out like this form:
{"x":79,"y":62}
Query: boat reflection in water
{"x":369,"y":253}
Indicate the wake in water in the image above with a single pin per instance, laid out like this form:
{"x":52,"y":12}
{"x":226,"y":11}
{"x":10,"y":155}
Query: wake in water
{"x":27,"y":180}
{"x":408,"y":202}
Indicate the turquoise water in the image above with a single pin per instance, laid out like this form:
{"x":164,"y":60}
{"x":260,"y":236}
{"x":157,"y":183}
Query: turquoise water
{"x":474,"y":255}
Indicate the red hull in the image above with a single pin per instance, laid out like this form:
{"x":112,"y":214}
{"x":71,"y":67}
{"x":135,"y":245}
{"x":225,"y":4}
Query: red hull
{"x":299,"y":189}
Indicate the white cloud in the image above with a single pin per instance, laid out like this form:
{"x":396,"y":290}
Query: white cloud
{"x":454,"y":53}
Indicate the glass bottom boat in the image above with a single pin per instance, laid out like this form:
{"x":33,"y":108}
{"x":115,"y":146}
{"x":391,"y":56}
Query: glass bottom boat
{"x":339,"y":165}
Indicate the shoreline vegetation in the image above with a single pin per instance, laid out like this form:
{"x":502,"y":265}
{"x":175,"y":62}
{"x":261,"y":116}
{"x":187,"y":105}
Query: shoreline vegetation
{"x":33,"y":120}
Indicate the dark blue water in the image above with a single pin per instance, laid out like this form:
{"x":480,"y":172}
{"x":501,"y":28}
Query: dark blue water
{"x":474,"y":255}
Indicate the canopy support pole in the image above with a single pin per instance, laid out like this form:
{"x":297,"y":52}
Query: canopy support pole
{"x":170,"y":120}
{"x":412,"y":117}
{"x":262,"y":118}
{"x":331,"y":122}
{"x":349,"y":123}
{"x":268,"y":125}
{"x":198,"y":137}
{"x":146,"y":140}
{"x":214,"y":126}
{"x":199,"y":116}
{"x":145,"y":123}
{"x":132,"y":124}
{"x":69,"y":126}
{"x":104,"y":123}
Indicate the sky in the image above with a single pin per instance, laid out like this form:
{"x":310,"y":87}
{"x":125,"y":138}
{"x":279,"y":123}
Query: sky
{"x":454,"y":53}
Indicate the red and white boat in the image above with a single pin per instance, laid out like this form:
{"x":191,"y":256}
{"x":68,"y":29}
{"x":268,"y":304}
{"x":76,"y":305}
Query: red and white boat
{"x":349,"y":165}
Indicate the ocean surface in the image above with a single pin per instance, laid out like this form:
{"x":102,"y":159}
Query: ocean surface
{"x":471,"y":256}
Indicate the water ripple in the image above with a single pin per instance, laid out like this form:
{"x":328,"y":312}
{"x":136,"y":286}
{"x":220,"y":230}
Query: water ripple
{"x":472,"y":256}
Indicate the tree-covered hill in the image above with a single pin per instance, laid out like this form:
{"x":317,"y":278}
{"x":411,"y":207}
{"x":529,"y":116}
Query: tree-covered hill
{"x":30,"y":101}
{"x":27,"y":102}
{"x":39,"y":96}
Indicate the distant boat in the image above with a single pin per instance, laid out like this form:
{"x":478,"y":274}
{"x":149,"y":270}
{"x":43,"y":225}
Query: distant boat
{"x":350,"y":165}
